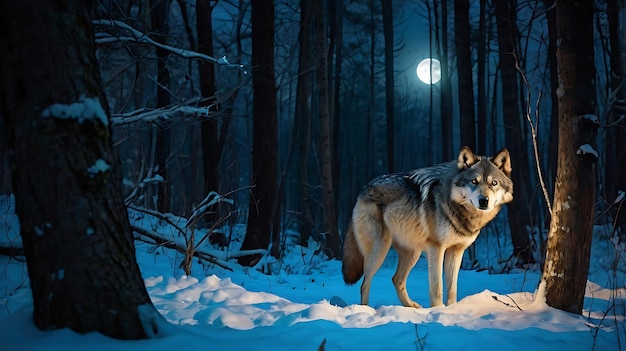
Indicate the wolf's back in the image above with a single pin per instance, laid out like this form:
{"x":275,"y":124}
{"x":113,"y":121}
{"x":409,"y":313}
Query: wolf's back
{"x":352,"y":267}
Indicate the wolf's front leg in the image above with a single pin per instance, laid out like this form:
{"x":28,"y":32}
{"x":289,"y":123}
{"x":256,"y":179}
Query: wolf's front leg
{"x":453,"y":258}
{"x":435,"y":279}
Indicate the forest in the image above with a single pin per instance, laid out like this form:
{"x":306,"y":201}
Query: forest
{"x":185,"y":125}
{"x":272,"y":115}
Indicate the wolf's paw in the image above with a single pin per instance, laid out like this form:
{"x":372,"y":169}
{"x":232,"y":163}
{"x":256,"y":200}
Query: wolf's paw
{"x":411,"y":303}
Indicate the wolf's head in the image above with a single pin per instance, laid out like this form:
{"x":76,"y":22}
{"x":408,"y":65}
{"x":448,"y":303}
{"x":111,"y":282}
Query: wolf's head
{"x":484,"y":182}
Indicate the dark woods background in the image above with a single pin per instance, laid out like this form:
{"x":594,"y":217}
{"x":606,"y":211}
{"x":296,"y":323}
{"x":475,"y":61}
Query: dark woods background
{"x":327,"y":98}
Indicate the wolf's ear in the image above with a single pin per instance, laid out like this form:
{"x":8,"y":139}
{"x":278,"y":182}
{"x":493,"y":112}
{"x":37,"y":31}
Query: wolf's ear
{"x":466,"y":158}
{"x":503,"y":161}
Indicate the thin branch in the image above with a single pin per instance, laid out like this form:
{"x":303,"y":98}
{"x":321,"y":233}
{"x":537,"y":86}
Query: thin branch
{"x":533,"y":132}
{"x":159,"y":114}
{"x":140,"y":37}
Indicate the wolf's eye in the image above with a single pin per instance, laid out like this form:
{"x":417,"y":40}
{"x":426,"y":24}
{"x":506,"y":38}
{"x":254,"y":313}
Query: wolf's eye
{"x":474,"y":181}
{"x":494,"y":182}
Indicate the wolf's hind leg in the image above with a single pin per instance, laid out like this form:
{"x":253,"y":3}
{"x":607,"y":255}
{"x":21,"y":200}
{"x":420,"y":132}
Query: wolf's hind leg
{"x":373,"y":260}
{"x":406,"y":260}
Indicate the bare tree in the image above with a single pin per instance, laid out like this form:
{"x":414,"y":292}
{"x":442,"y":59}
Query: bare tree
{"x":66,"y":177}
{"x":554,"y":85}
{"x":302,"y":120}
{"x":263,"y":224}
{"x":569,"y":240}
{"x":336,"y":15}
{"x":481,"y":94}
{"x":333,"y":242}
{"x":616,"y":133}
{"x":464,"y":69}
{"x":518,"y":211}
{"x":160,"y":13}
{"x":208,"y":126}
{"x":445,"y":102}
{"x":389,"y":80}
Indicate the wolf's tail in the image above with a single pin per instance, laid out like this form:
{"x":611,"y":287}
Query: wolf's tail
{"x":352,"y":267}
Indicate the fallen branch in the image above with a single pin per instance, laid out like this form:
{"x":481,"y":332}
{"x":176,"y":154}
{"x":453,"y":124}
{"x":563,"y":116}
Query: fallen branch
{"x":150,"y":237}
{"x":217,"y":257}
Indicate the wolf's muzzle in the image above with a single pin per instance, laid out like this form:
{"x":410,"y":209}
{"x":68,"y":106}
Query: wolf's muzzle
{"x":483,"y":202}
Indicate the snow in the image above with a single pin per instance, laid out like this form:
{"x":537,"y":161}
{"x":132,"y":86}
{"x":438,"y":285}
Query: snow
{"x":100,"y":166}
{"x":243,"y":309}
{"x":591,"y":118}
{"x":587,"y":149}
{"x":620,"y":196}
{"x":86,"y":108}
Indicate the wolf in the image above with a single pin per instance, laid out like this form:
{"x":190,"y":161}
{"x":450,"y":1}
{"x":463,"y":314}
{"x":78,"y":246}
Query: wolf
{"x":439,"y":209}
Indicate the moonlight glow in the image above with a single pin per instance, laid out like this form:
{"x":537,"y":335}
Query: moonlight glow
{"x":424,"y":70}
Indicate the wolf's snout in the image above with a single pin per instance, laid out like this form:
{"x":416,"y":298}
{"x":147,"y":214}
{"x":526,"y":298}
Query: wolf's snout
{"x":483,"y":202}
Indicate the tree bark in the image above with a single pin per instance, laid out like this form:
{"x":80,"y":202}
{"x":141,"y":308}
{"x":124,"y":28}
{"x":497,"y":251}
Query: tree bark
{"x":518,"y":211}
{"x":464,"y":69}
{"x":263,"y":225}
{"x":333,"y":243}
{"x":66,"y":176}
{"x":569,"y":240}
{"x":389,"y":81}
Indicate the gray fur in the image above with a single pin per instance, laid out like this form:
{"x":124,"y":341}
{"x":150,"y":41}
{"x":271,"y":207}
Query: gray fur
{"x":439,"y":209}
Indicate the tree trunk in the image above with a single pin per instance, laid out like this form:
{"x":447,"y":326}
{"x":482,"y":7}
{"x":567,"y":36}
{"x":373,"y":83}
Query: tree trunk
{"x":337,"y":36}
{"x":263,"y":225}
{"x":446,"y":89}
{"x":518,"y":211}
{"x":481,"y":102}
{"x":389,"y":81}
{"x":159,"y":14}
{"x":371,"y":151}
{"x":333,"y":243}
{"x":302,"y":119}
{"x":464,"y":69}
{"x":569,"y":240}
{"x":66,"y":176}
{"x":616,"y":134}
{"x":208,"y":126}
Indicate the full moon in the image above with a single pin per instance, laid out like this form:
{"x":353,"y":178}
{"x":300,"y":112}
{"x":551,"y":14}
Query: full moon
{"x":424,"y":70}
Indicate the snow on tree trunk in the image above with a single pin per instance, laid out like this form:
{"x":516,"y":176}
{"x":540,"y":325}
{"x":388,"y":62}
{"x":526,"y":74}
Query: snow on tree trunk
{"x":569,"y":240}
{"x":74,"y":226}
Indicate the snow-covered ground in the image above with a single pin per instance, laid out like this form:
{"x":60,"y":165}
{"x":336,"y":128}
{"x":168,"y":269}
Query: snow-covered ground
{"x":299,"y":306}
